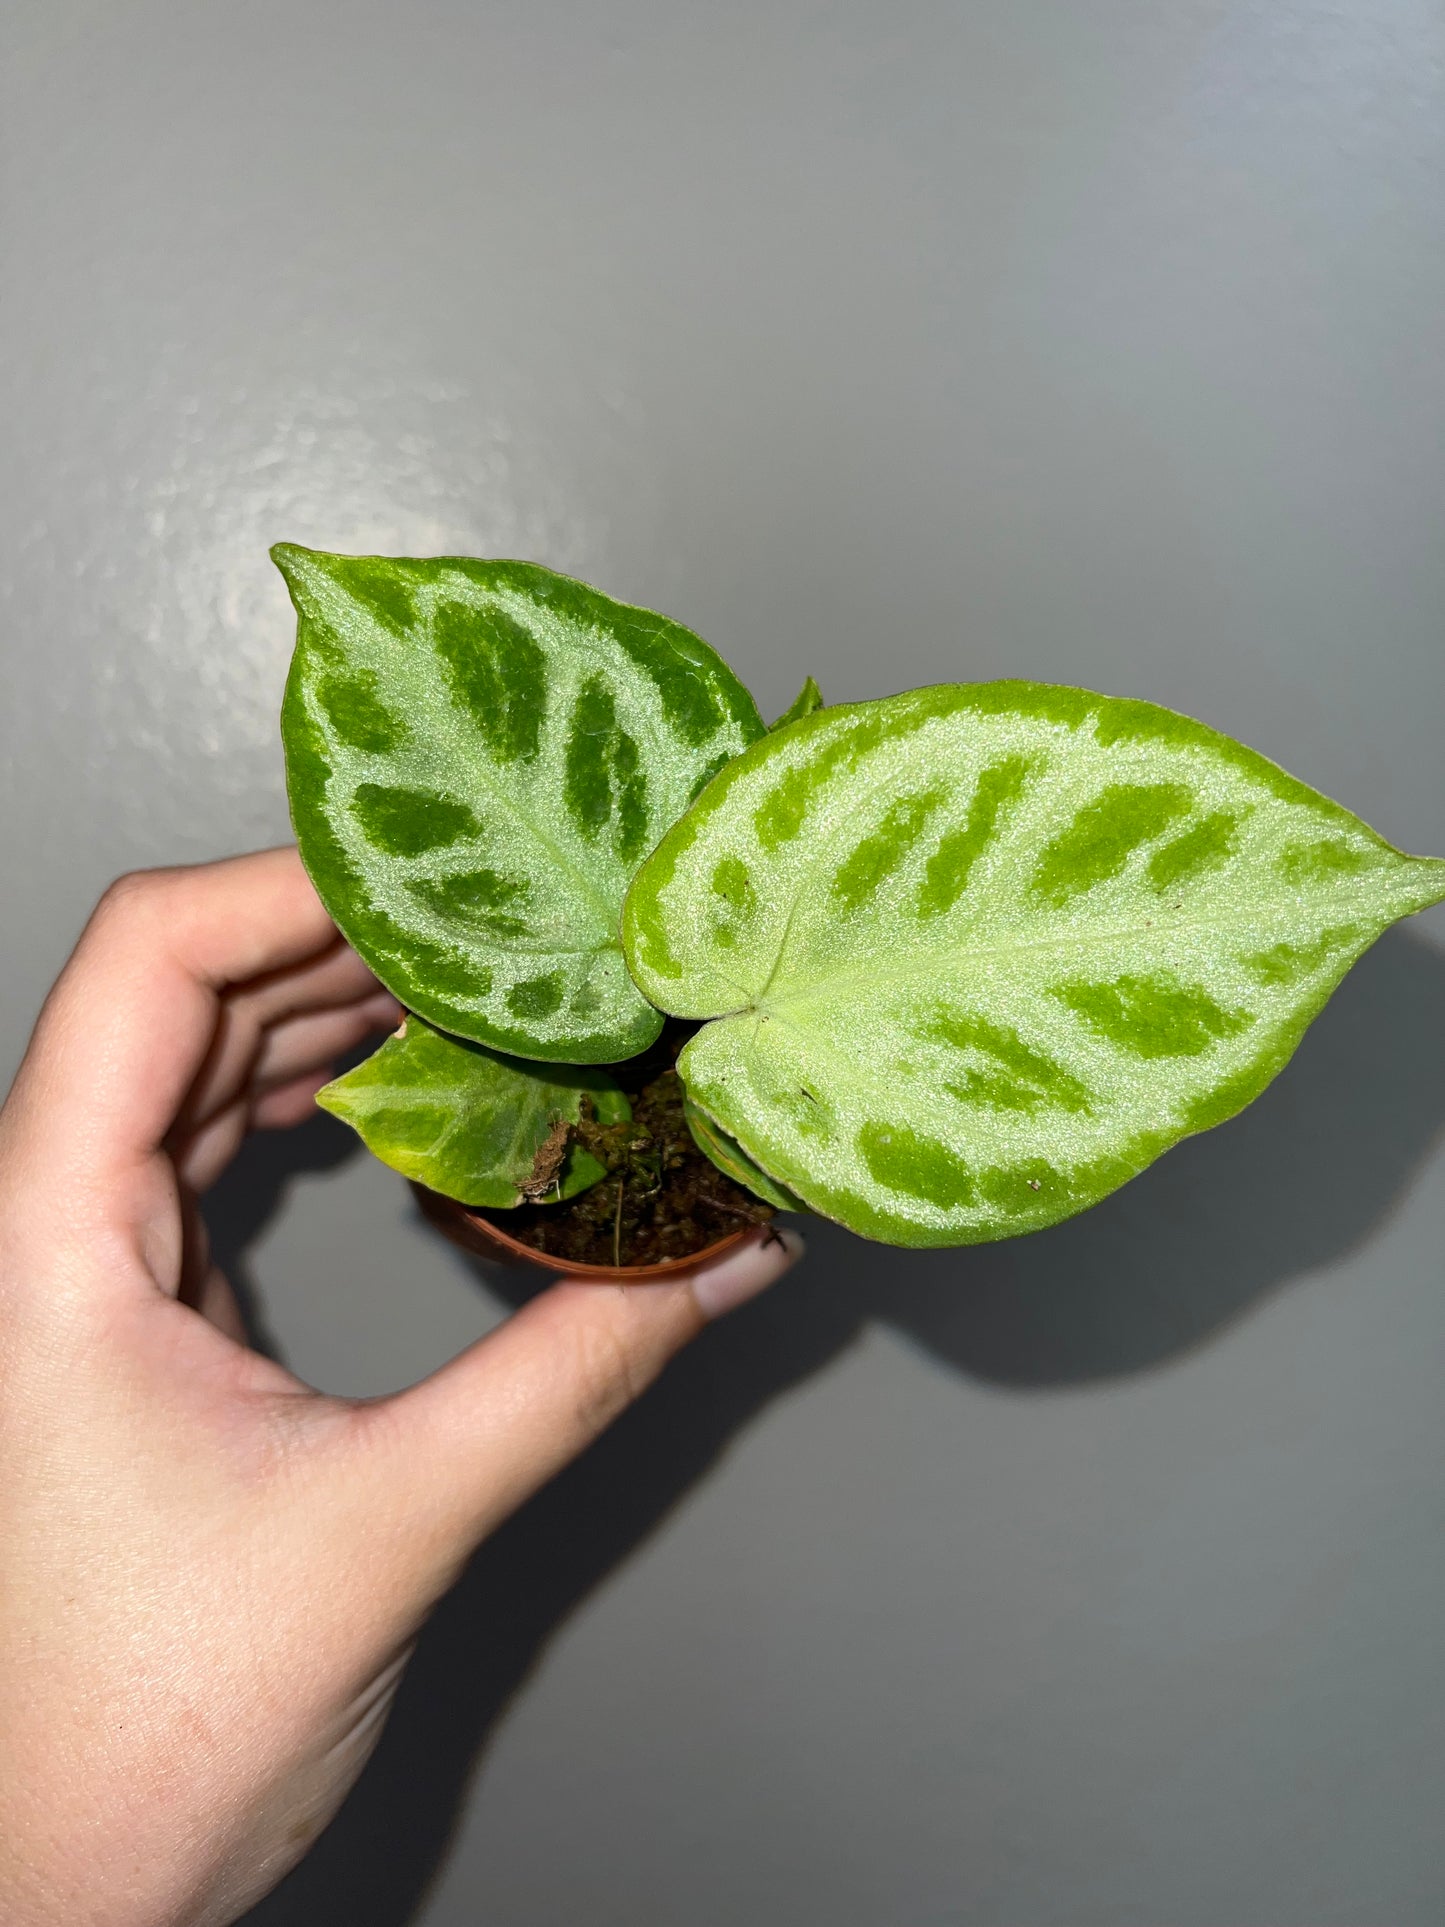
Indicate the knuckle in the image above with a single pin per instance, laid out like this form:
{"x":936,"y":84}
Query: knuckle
{"x":144,"y":903}
{"x":130,"y":897}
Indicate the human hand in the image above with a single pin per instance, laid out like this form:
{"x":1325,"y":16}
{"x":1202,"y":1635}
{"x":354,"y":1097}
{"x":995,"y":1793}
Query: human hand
{"x":211,"y":1576}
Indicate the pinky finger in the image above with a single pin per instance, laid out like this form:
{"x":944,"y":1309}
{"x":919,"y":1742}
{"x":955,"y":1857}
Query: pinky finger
{"x":314,"y":1042}
{"x":289,"y":1103}
{"x":203,"y":1155}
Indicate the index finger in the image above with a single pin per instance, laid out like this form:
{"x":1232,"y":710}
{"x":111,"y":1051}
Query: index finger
{"x":130,"y":1019}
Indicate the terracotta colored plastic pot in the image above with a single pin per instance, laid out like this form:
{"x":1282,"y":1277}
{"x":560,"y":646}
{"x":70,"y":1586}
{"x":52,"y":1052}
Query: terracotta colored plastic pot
{"x":474,"y":1231}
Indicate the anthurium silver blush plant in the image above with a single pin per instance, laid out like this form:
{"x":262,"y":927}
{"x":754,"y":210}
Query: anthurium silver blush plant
{"x":959,"y":961}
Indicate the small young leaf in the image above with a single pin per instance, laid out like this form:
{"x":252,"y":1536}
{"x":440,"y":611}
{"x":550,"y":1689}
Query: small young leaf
{"x":808,"y":698}
{"x":470,"y":1123}
{"x":479,"y":754}
{"x":731,"y":1159}
{"x":609,"y":1103}
{"x":978,"y":954}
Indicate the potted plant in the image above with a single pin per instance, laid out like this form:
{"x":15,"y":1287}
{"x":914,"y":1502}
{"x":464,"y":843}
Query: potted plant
{"x":944,"y":967}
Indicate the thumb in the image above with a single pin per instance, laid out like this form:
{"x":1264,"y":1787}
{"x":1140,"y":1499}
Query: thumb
{"x":467,"y":1446}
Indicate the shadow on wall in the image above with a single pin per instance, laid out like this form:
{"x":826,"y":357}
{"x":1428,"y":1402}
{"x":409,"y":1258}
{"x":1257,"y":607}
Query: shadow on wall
{"x":1144,"y":1278}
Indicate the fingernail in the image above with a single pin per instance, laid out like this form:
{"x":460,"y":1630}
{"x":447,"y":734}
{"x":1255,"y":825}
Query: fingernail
{"x":733,"y":1280}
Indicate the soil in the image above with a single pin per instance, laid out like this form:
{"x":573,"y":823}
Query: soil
{"x":662,"y":1198}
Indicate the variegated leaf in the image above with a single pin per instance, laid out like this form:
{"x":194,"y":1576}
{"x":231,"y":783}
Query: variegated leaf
{"x":978,"y":954}
{"x":479,"y":754}
{"x":731,"y":1159}
{"x":467,"y":1121}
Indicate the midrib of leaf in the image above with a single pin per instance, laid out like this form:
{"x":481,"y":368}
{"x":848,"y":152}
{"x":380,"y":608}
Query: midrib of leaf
{"x":521,"y":1115}
{"x":825,"y":854}
{"x":921,"y":958}
{"x":514,"y":949}
{"x":379,"y":1097}
{"x":1002,"y":864}
{"x":596,"y":648}
{"x":420,"y":669}
{"x":1005,"y":866}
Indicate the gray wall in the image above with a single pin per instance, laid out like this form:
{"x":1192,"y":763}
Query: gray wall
{"x":1091,"y":1580}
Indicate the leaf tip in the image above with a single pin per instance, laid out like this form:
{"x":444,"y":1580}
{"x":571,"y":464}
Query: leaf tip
{"x":1433,"y":879}
{"x":808,"y":699}
{"x":286,"y":555}
{"x":331,"y":1097}
{"x":296,"y":566}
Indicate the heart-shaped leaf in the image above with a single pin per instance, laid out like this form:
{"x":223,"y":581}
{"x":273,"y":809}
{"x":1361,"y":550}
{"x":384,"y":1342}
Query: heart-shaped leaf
{"x":979,"y":954}
{"x":479,"y":754}
{"x":470,"y":1123}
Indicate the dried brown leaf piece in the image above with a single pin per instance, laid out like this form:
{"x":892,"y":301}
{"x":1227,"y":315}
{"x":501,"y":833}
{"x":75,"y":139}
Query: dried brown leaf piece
{"x":548,"y":1161}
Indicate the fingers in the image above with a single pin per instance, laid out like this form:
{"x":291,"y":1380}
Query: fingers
{"x":291,"y":1063}
{"x":201,"y":1157}
{"x":456,"y":1454}
{"x":315,"y":1042}
{"x":291,"y":1103}
{"x":280,"y":1025}
{"x":132,"y":1018}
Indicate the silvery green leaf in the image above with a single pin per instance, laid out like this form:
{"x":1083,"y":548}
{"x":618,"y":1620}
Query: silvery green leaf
{"x":978,"y":954}
{"x":467,"y":1121}
{"x":731,"y":1159}
{"x":808,"y":698}
{"x":478,"y":755}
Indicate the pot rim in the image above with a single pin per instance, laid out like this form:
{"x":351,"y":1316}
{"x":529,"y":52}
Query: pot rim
{"x":472,"y":1228}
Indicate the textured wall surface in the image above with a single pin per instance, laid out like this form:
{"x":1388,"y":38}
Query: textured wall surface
{"x":1091,"y":1580}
